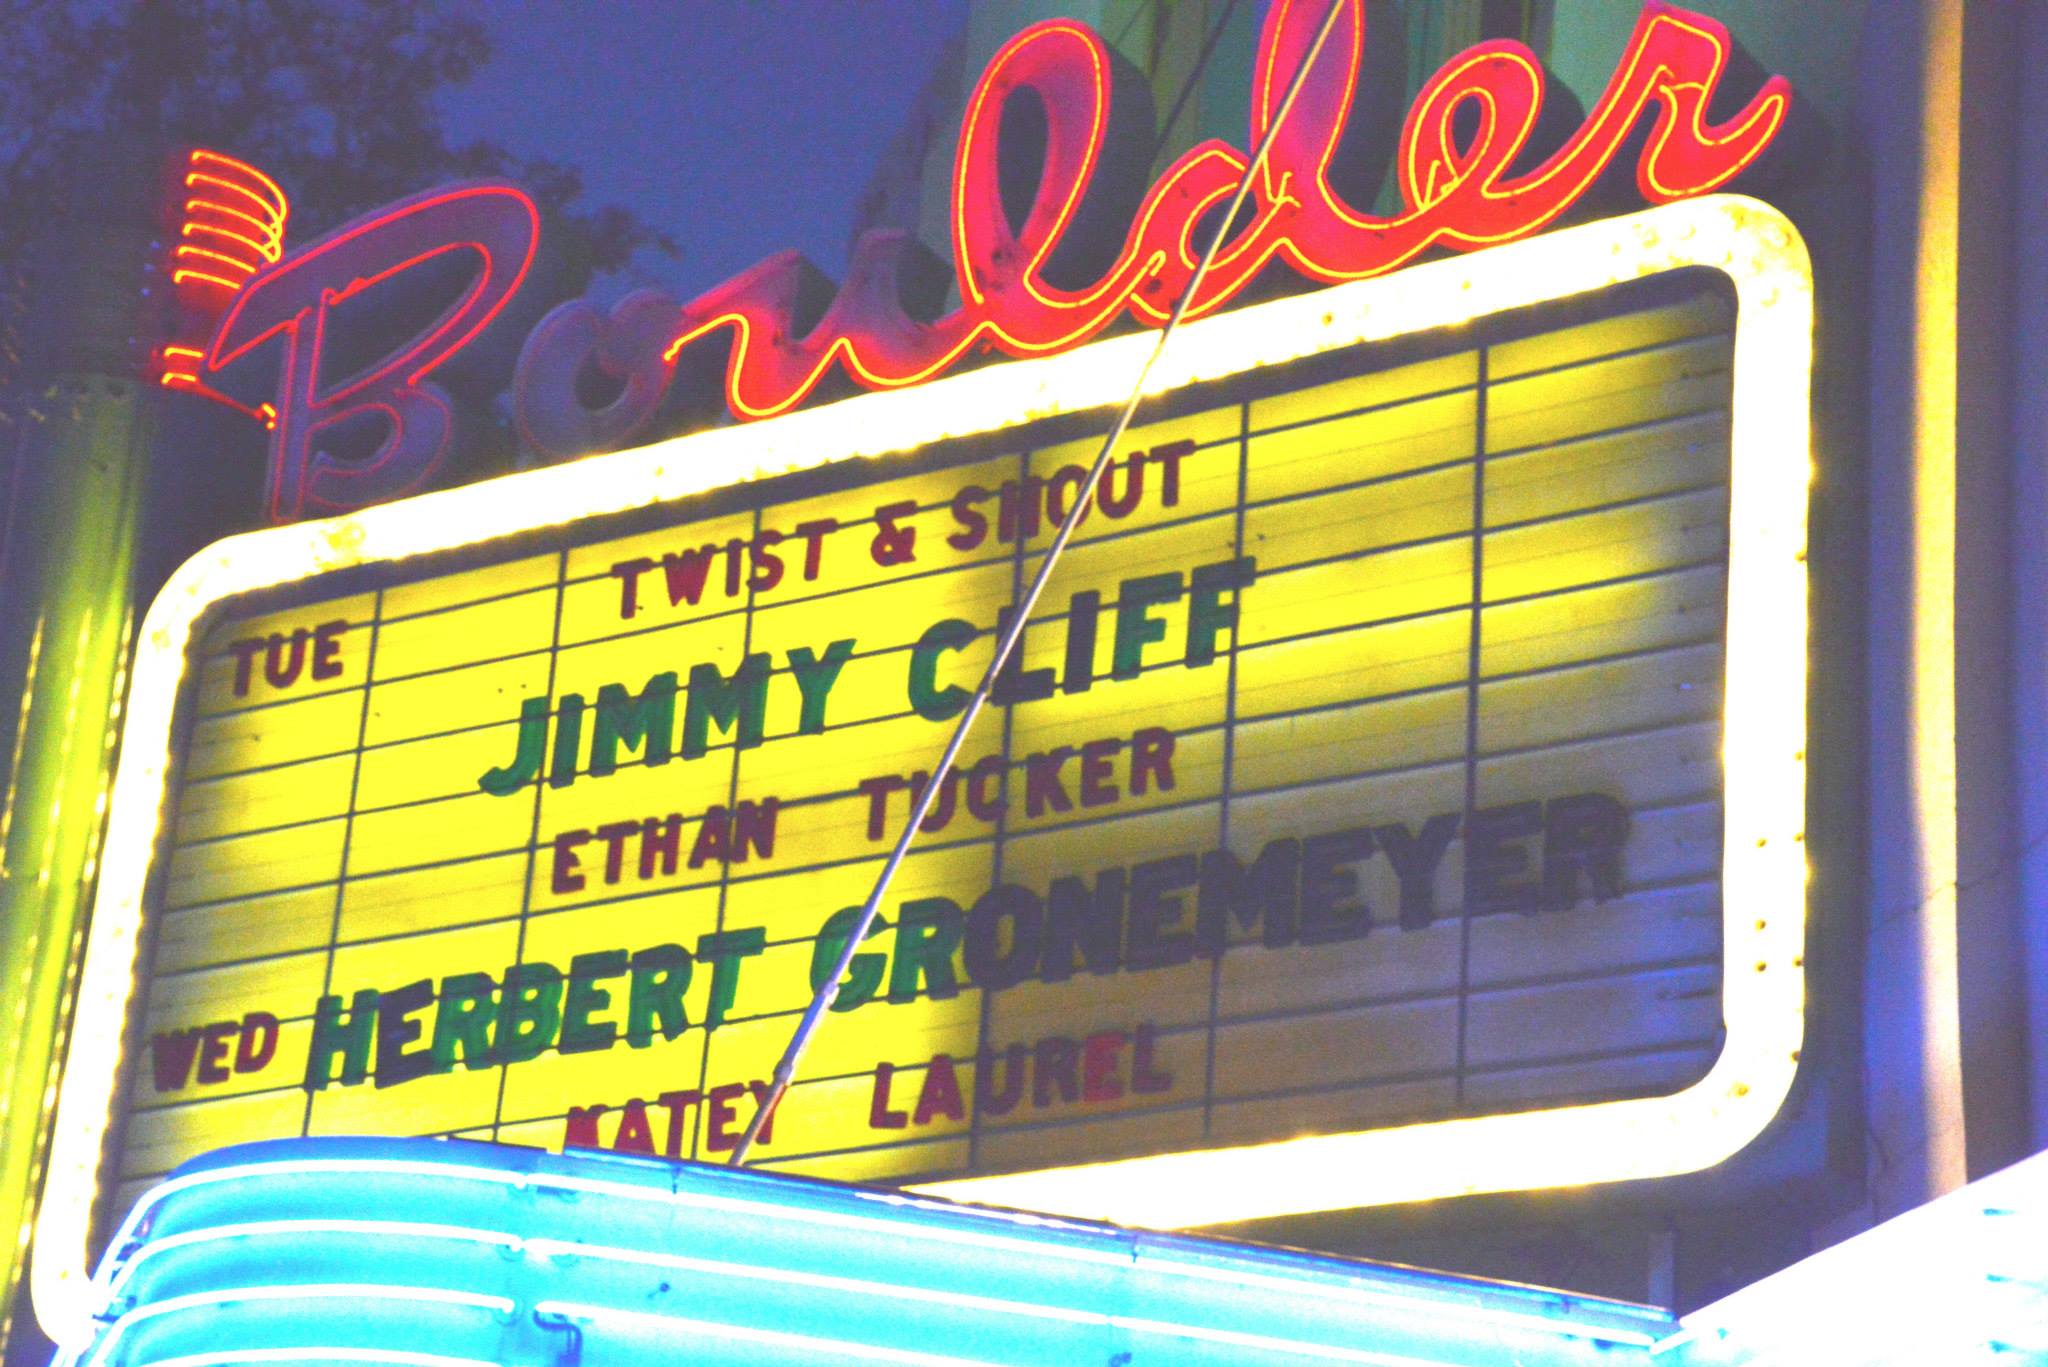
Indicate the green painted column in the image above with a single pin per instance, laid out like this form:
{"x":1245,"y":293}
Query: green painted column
{"x":69,"y":613}
{"x":76,"y":446}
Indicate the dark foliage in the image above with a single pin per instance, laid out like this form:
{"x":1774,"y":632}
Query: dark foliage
{"x":335,"y":98}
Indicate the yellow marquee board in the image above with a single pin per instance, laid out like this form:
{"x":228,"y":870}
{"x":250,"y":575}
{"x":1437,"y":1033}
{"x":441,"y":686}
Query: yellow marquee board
{"x":1387,"y":761}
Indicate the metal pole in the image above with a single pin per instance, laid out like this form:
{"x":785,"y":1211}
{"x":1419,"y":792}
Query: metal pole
{"x":1006,"y":645}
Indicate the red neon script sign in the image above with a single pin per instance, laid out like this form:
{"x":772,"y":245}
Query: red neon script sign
{"x":1085,"y":245}
{"x":1454,"y":160}
{"x":497,"y":224}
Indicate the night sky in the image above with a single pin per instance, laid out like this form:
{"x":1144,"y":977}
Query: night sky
{"x":737,"y":128}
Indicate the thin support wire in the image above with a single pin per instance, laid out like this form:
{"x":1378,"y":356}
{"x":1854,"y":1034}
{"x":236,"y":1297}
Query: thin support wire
{"x":1006,"y":645}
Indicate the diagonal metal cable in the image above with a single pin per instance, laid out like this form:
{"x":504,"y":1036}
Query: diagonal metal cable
{"x":1006,"y":645}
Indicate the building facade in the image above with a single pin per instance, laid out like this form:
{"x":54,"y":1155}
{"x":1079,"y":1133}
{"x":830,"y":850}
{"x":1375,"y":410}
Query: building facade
{"x":1532,"y":766}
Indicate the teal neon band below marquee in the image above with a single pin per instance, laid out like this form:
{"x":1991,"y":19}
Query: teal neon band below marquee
{"x":439,"y":1253}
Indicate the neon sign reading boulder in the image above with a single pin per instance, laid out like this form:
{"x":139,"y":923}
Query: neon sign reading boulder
{"x":1057,"y":272}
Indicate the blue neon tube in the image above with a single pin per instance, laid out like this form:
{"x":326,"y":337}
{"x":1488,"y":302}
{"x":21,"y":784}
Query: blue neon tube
{"x":440,"y":1253}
